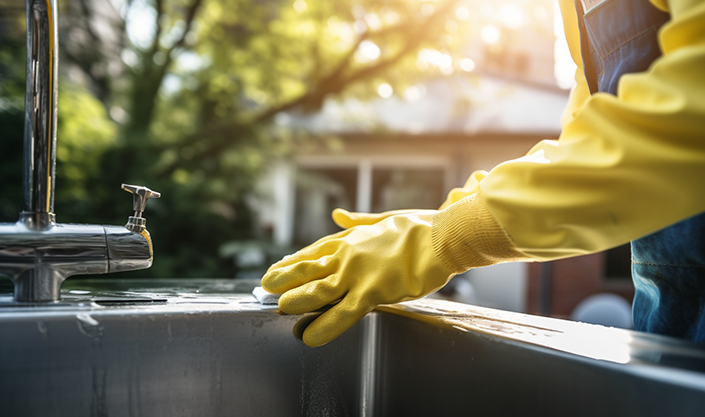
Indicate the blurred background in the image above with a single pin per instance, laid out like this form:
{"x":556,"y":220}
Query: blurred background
{"x":256,"y":118}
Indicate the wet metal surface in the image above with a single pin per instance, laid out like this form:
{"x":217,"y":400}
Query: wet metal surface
{"x":208,"y":348}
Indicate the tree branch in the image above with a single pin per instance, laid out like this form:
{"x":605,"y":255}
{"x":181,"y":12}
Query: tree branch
{"x":147,"y":79}
{"x":191,"y":13}
{"x":333,"y":83}
{"x":159,"y":8}
{"x":88,"y":16}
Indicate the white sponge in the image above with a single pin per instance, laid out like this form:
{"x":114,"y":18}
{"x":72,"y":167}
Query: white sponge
{"x":265,"y":297}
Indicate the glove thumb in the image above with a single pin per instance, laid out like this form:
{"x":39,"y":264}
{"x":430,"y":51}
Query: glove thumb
{"x":347,"y":219}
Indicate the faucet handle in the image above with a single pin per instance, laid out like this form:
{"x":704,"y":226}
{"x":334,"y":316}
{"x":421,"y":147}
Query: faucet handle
{"x":140,"y":195}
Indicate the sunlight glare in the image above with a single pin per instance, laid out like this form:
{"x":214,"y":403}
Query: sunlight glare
{"x":369,"y":51}
{"x":413,"y":93}
{"x":300,"y":5}
{"x":373,"y":21}
{"x":467,"y":64}
{"x":599,"y":343}
{"x":445,"y":61}
{"x":360,"y":26}
{"x":359,"y":11}
{"x":190,"y":61}
{"x":462,"y":13}
{"x":490,"y":34}
{"x":427,"y":9}
{"x":140,"y":24}
{"x":389,"y":17}
{"x":385,"y":90}
{"x":512,"y":16}
{"x":564,"y":67}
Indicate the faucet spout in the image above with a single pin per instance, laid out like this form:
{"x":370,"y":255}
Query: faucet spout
{"x":36,"y":253}
{"x":38,"y":261}
{"x":40,"y":114}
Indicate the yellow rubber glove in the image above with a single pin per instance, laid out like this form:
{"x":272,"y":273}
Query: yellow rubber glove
{"x":347,"y":219}
{"x":361,"y":267}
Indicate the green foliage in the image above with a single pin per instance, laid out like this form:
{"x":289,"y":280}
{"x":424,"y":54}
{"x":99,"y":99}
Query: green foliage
{"x":12,"y":86}
{"x":191,"y":107}
{"x":12,"y":128}
{"x":84,"y":133}
{"x":273,"y":54}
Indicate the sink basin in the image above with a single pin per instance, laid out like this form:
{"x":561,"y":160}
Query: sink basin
{"x":185,"y":348}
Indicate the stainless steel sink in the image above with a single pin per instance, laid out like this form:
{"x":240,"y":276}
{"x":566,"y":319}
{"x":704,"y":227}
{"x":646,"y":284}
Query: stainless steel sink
{"x":199,"y":348}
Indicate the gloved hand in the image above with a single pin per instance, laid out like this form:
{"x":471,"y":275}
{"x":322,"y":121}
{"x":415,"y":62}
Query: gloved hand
{"x":390,"y":261}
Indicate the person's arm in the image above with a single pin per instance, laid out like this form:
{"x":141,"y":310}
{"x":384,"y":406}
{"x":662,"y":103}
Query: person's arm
{"x":624,"y":166}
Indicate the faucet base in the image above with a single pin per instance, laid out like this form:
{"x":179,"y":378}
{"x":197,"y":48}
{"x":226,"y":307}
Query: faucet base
{"x":38,"y":285}
{"x":37,"y":221}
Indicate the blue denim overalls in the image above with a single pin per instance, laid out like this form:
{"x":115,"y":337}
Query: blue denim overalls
{"x":668,"y":266}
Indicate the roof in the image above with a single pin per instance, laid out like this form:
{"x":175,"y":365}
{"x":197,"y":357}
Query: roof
{"x":462,"y":105}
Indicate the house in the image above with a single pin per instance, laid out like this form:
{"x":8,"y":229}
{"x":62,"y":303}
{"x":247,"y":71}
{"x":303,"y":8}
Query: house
{"x":407,"y":150}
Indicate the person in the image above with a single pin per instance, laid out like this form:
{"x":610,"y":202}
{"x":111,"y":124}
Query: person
{"x":629,"y":165}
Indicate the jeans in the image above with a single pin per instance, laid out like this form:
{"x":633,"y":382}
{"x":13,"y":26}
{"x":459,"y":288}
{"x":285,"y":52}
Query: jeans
{"x":668,"y":267}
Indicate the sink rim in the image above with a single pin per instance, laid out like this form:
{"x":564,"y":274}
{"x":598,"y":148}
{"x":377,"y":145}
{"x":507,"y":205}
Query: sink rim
{"x":661,"y":354}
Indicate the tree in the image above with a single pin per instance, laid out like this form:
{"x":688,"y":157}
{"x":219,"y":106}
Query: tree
{"x":193,"y":86}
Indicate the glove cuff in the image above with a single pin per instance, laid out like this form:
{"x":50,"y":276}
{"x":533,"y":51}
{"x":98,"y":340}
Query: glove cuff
{"x":466,"y":235}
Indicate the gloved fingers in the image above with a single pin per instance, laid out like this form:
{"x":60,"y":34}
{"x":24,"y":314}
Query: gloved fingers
{"x":335,"y":321}
{"x":312,"y":295}
{"x":286,"y":278}
{"x":347,"y":219}
{"x":322,"y":247}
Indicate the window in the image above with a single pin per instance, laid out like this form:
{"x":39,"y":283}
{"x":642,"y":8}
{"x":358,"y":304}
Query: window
{"x":403,"y":188}
{"x":318,"y":192}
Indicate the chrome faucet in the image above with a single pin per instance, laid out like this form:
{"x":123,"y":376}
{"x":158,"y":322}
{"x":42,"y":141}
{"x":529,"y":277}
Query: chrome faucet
{"x":36,"y":253}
